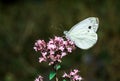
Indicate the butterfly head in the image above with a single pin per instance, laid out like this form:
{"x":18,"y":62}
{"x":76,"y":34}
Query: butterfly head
{"x":65,"y":32}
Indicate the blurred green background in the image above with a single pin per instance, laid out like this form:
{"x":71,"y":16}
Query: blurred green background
{"x":22,"y":22}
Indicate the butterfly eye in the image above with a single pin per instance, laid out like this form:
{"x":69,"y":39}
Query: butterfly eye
{"x":89,"y":27}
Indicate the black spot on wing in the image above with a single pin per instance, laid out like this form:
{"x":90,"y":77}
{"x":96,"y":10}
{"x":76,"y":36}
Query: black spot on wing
{"x":89,"y":27}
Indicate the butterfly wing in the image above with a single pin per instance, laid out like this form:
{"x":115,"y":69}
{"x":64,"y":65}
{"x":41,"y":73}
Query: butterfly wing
{"x":84,"y":34}
{"x":84,"y":39}
{"x":89,"y":23}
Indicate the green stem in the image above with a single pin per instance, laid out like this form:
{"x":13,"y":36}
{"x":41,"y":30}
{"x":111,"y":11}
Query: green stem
{"x":56,"y":79}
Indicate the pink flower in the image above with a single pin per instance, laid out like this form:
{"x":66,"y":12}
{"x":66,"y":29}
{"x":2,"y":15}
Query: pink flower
{"x":54,"y":50}
{"x":65,"y":43}
{"x":52,"y":57}
{"x":51,"y":46}
{"x":66,"y":75}
{"x":58,"y":39}
{"x":73,"y":75}
{"x":51,"y":63}
{"x":39,"y":45}
{"x":40,"y":78}
{"x":77,"y":77}
{"x":44,"y":54}
{"x":74,"y":72}
{"x":58,"y":58}
{"x":61,"y":48}
{"x":41,"y":59}
{"x":69,"y":49}
{"x":63,"y":54}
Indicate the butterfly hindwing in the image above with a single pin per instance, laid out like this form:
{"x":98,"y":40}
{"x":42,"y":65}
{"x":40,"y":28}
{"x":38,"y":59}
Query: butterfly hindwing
{"x":84,"y":39}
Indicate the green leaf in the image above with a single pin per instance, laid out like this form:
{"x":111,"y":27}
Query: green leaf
{"x":64,"y":80}
{"x":52,"y":75}
{"x":57,"y":67}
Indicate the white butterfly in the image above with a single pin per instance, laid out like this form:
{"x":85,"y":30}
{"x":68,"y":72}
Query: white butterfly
{"x":84,"y":34}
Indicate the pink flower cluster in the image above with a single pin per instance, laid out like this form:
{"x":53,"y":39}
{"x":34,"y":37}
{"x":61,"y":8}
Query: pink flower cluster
{"x":73,"y":75}
{"x":54,"y":50}
{"x":40,"y":78}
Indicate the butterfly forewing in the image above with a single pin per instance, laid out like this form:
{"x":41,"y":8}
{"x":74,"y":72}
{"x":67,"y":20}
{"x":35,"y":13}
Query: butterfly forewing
{"x":89,"y":23}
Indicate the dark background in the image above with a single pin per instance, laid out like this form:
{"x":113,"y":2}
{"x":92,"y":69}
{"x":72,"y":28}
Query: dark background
{"x":22,"y":22}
